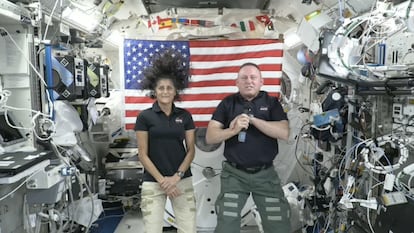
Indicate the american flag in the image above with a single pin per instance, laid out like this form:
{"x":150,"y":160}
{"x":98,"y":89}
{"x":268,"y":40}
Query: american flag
{"x":214,"y":65}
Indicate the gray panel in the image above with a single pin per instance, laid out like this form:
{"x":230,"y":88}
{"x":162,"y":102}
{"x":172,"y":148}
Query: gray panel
{"x":15,"y":15}
{"x":153,"y":6}
{"x":47,"y":6}
{"x":11,"y":214}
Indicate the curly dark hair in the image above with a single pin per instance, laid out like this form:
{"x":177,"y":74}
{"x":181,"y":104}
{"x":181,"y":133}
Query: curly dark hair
{"x":167,"y":64}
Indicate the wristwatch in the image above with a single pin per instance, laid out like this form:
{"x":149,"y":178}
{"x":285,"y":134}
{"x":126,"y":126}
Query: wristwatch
{"x":250,"y":117}
{"x":180,"y":174}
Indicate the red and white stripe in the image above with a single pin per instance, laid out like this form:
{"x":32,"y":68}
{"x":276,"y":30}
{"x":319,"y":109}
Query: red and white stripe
{"x":214,"y":66}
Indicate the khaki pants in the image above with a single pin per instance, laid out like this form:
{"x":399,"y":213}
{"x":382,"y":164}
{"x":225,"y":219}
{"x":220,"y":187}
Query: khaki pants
{"x":153,"y":207}
{"x":267,"y":193}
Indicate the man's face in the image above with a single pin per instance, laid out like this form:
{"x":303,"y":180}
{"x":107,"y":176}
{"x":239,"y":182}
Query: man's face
{"x":249,"y":81}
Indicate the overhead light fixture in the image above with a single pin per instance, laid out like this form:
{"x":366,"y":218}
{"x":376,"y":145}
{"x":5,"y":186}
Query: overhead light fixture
{"x":291,"y":38}
{"x":115,"y":38}
{"x":81,"y":19}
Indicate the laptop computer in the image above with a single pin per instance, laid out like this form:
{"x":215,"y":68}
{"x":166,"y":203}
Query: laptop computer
{"x":12,"y":163}
{"x":12,"y":137}
{"x":9,"y":133}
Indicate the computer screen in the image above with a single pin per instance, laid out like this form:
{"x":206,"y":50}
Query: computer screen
{"x":9,"y":135}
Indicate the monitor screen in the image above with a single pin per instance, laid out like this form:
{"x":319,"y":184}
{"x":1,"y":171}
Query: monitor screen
{"x":8,"y":134}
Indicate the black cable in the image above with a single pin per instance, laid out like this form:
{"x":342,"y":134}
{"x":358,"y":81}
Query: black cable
{"x":296,"y":148}
{"x":388,"y":89}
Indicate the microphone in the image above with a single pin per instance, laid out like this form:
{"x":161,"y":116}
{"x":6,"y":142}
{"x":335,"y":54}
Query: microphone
{"x":242,"y":134}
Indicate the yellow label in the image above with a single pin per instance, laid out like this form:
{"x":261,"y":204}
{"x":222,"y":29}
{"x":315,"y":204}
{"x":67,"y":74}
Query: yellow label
{"x":93,"y":78}
{"x":312,"y":15}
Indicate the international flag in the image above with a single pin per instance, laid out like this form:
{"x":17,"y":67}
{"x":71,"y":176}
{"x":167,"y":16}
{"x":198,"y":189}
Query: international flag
{"x":164,"y":23}
{"x":245,"y":25}
{"x":214,"y":65}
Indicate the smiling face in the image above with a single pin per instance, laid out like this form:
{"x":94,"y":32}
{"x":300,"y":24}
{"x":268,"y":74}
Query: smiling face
{"x":249,"y":81}
{"x":165,"y":91}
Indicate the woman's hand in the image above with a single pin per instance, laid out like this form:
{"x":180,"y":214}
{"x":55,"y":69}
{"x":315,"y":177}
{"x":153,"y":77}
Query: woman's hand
{"x":168,"y":184}
{"x":173,"y":192}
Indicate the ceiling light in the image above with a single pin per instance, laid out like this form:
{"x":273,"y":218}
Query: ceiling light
{"x":81,"y":19}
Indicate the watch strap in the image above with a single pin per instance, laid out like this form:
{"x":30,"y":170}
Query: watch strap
{"x":180,"y":174}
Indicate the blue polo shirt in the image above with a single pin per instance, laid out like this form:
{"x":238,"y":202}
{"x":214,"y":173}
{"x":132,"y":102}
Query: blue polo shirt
{"x":166,"y":135}
{"x":258,"y":149}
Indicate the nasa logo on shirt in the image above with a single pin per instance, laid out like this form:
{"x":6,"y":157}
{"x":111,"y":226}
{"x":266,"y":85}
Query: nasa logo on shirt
{"x":178,"y":120}
{"x":263,"y":108}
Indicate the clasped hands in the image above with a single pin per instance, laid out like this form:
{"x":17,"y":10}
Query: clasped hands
{"x":241,"y":122}
{"x":169,"y":185}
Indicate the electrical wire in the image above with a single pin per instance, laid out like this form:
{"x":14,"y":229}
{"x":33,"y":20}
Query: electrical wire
{"x":81,"y":181}
{"x":49,"y":22}
{"x":406,"y":188}
{"x":20,"y":185}
{"x":296,"y":151}
{"x":6,"y":94}
{"x":23,"y":55}
{"x":368,"y":216}
{"x":371,"y":146}
{"x":26,"y":215}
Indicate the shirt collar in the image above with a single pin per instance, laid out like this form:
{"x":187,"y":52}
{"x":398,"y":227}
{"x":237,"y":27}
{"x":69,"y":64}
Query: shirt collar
{"x":241,"y":99}
{"x":156,"y":107}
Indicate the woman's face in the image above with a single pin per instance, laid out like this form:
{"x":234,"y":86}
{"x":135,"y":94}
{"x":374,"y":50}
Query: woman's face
{"x":165,"y":91}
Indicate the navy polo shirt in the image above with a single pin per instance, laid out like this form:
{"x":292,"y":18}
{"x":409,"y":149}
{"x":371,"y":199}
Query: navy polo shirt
{"x":258,"y":149}
{"x":166,"y":135}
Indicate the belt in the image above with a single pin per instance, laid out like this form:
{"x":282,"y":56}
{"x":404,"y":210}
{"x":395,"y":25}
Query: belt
{"x":250,"y":170}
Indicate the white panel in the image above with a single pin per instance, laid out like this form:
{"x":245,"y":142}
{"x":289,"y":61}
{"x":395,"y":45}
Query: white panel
{"x":16,"y":81}
{"x":398,"y":49}
{"x":14,"y":54}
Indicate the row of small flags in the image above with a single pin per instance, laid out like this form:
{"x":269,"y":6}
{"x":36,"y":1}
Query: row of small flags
{"x":245,"y":25}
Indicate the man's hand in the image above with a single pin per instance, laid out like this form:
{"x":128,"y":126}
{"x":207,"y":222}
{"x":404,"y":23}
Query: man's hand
{"x":241,"y":122}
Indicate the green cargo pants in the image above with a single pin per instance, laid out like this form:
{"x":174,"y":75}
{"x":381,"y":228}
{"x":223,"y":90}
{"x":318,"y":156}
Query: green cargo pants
{"x":267,"y":194}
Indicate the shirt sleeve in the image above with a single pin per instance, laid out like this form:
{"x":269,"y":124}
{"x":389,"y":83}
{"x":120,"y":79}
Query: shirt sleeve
{"x":277,"y":112}
{"x":141,"y":122}
{"x":189,"y":123}
{"x":220,"y":113}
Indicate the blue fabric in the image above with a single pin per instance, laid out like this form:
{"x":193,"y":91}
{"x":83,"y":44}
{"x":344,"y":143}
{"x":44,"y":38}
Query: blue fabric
{"x":108,"y":221}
